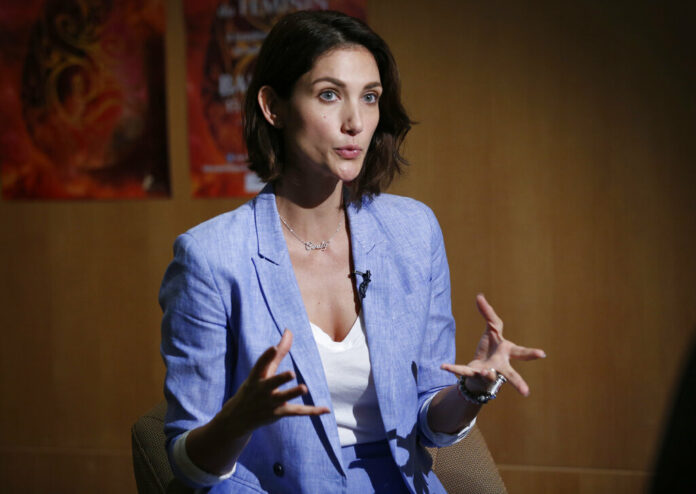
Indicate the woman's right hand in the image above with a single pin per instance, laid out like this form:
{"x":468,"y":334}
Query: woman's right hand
{"x":258,"y":401}
{"x":215,"y":446}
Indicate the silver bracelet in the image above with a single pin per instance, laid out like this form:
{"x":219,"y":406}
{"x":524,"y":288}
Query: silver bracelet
{"x":485,"y":396}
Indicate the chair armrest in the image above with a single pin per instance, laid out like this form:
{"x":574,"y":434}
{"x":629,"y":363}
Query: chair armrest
{"x":153,"y":475}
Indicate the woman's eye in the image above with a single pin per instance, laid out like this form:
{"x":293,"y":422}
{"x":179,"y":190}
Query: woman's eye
{"x":328,"y":95}
{"x":371,"y":97}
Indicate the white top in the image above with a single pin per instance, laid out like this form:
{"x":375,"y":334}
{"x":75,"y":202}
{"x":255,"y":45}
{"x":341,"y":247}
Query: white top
{"x":349,"y":377}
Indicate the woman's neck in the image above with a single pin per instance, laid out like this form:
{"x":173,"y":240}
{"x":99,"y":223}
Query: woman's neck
{"x":312,"y":209}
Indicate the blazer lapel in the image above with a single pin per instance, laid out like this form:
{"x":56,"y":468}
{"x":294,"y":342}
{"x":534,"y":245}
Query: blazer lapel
{"x":370,"y":252}
{"x":282,"y":295}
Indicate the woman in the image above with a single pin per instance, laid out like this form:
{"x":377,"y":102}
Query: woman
{"x":308,"y":335}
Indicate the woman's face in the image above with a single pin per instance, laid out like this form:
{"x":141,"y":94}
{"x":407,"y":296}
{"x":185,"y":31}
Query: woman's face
{"x":332,"y":113}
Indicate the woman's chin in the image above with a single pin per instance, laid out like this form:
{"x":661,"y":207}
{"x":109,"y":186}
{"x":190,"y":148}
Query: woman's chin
{"x":347,"y":174}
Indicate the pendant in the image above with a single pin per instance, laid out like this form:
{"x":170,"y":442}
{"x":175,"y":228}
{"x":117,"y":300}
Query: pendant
{"x":320,"y":246}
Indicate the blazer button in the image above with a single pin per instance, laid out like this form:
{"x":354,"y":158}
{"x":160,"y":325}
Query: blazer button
{"x":278,"y":469}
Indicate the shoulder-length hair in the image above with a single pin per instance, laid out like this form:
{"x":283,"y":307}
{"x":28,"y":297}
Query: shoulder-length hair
{"x":289,"y":51}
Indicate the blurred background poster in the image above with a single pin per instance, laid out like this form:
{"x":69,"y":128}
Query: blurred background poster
{"x":83,"y":99}
{"x":223,"y":39}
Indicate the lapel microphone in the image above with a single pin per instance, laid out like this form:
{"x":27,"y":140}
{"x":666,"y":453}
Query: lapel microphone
{"x":365,"y":281}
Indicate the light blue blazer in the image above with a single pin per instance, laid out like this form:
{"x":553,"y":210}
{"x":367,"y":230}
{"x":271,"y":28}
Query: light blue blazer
{"x":231,"y":291}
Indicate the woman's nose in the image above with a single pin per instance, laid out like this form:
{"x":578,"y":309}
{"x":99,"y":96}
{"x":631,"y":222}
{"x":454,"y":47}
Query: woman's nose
{"x":352,"y":120}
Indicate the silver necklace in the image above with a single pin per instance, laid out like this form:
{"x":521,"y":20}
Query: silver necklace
{"x":311,"y":245}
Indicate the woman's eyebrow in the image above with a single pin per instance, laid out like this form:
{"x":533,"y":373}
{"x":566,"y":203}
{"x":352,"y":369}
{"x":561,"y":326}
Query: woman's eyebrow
{"x":340,"y":83}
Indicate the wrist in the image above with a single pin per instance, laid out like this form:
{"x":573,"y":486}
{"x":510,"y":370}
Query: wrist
{"x":476,"y":384}
{"x":229,"y":425}
{"x":216,"y":446}
{"x":471,"y":390}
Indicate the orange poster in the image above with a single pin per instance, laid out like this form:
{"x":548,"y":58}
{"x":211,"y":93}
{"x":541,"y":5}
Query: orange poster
{"x":82,"y":97}
{"x":223,"y":39}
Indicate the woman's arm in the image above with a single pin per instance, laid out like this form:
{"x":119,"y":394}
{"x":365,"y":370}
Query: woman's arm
{"x":449,"y":413}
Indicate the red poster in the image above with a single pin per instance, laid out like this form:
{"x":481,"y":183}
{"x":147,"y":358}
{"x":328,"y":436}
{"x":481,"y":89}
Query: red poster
{"x":83,"y":100}
{"x":223,"y":39}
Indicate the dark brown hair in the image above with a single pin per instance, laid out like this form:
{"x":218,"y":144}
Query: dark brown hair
{"x":289,"y":51}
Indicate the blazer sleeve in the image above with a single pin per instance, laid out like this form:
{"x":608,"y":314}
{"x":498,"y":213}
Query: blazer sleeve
{"x":194,"y":343}
{"x":439,"y":336}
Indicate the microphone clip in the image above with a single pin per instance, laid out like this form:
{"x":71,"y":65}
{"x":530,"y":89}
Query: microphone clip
{"x":366,"y":278}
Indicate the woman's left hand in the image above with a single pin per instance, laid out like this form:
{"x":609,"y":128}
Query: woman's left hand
{"x":493,"y":355}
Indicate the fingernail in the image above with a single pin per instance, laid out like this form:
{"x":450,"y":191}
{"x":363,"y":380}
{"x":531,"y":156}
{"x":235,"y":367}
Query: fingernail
{"x":543,"y":354}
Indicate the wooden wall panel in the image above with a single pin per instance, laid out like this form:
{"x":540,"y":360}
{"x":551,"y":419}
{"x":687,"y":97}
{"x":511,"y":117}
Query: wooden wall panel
{"x":555,"y":145}
{"x":577,"y":480}
{"x":62,"y":470}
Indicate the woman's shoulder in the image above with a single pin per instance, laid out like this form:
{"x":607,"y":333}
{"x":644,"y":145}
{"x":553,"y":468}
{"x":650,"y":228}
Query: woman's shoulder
{"x":391,"y":208}
{"x":227,"y":230}
{"x":403,"y":218}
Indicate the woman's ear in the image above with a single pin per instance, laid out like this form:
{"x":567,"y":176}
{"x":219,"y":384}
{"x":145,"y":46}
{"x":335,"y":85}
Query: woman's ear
{"x":271,"y":106}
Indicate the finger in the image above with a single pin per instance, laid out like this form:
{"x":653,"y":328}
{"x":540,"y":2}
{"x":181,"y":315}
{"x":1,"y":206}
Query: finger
{"x":280,"y":397}
{"x":489,"y":314}
{"x":292,"y":409}
{"x":516,"y":380}
{"x":525,"y":354}
{"x":283,"y":347}
{"x":459,"y":370}
{"x":489,"y":373}
{"x":261,"y":365}
{"x":271,"y":383}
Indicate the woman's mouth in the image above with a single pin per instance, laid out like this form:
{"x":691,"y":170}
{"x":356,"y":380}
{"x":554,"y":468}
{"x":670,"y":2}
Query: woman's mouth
{"x":348,"y":152}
